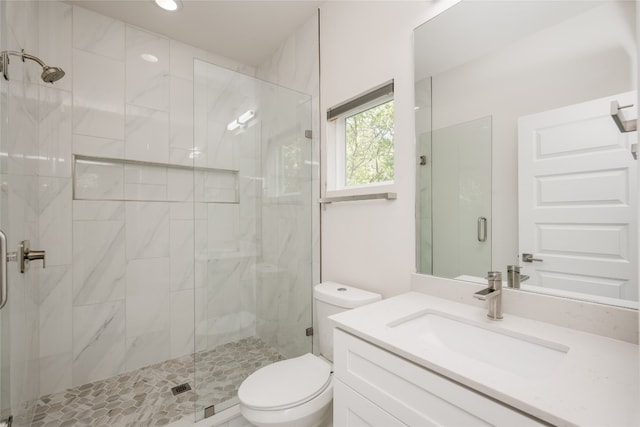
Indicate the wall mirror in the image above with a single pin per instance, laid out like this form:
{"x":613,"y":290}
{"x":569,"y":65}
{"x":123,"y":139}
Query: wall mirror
{"x":525,"y":130}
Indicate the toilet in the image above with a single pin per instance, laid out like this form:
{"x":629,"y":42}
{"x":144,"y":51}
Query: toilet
{"x":298,"y":392}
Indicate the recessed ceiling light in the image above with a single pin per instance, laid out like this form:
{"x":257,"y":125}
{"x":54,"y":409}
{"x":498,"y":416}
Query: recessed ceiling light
{"x":170,"y":5}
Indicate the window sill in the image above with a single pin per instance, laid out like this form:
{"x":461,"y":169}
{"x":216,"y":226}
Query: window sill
{"x":361,"y":191}
{"x":371,"y":193}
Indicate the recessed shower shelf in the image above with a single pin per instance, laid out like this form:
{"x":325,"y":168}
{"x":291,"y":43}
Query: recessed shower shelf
{"x":103,"y":178}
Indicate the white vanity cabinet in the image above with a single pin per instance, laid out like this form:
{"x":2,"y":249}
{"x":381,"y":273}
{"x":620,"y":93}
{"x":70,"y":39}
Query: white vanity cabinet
{"x":377,"y":388}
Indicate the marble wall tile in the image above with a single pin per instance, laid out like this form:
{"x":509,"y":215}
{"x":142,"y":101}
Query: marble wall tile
{"x":148,"y":276}
{"x":200,"y":318}
{"x":181,"y":141}
{"x":147,"y":349}
{"x":148,"y":313}
{"x":97,"y":211}
{"x":20,"y":207}
{"x":98,"y":95}
{"x":223,"y":228}
{"x":55,"y":220}
{"x":228,"y":310}
{"x":182,"y":326}
{"x":55,"y":311}
{"x":147,"y":230}
{"x":147,"y":192}
{"x":201,"y":246}
{"x":56,"y":372}
{"x":98,"y":261}
{"x":222,"y":145}
{"x":180,"y":210}
{"x":22,"y":140}
{"x":145,"y":182}
{"x":147,"y":135}
{"x":180,"y":185}
{"x":22,"y":18}
{"x":98,"y":147}
{"x":182,"y":254}
{"x":55,"y":39}
{"x":221,"y":187}
{"x":182,"y":58}
{"x":147,"y":58}
{"x":99,"y":180}
{"x":98,"y":34}
{"x":54,"y":132}
{"x":98,"y":341}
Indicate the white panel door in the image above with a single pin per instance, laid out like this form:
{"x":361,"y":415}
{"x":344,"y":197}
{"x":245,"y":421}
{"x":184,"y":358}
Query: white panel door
{"x":578,"y":200}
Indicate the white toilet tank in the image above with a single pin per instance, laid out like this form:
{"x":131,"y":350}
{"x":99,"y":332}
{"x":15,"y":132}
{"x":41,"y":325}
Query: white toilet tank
{"x":332,"y":298}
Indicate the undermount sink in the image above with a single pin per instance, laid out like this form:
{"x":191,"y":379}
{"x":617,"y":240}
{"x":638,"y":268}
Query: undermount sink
{"x":523,"y":355}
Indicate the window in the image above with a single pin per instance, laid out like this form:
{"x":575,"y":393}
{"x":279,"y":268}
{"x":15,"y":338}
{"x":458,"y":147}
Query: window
{"x":362,"y":140}
{"x":368,"y":144}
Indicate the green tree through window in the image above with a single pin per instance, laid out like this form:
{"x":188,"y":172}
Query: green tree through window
{"x":369,"y":145}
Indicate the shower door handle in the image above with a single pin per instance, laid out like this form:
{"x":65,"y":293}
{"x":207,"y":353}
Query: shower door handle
{"x":3,"y":269}
{"x":482,"y":229}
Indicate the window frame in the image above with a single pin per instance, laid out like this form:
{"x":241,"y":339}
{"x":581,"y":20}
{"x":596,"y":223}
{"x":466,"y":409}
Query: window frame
{"x":336,"y":157}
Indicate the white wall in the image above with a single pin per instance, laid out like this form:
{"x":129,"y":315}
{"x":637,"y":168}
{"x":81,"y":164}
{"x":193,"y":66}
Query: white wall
{"x":371,"y":244}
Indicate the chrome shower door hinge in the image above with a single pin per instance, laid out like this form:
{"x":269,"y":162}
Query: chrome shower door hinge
{"x":309,"y":331}
{"x":308,"y":134}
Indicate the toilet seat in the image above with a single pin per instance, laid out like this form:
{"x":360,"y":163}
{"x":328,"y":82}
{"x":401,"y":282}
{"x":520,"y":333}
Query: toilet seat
{"x":285,"y":384}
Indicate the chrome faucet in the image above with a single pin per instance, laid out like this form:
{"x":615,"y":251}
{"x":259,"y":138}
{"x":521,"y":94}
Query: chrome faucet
{"x":492,"y":294}
{"x":514,"y":278}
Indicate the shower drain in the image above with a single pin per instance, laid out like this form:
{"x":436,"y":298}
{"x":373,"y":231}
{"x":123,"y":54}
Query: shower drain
{"x":180,"y":389}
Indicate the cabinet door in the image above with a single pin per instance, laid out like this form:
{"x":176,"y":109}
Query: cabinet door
{"x":351,"y":409}
{"x":413,"y":394}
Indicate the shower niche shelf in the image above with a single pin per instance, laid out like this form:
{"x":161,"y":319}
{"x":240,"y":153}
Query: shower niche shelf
{"x":103,"y":178}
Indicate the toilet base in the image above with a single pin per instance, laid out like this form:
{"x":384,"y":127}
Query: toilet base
{"x":321,"y":418}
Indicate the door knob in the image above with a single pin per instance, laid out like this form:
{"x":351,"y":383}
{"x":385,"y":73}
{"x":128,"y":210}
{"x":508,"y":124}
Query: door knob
{"x":529,"y":258}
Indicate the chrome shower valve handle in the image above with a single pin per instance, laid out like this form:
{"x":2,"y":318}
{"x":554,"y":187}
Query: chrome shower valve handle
{"x":26,"y":254}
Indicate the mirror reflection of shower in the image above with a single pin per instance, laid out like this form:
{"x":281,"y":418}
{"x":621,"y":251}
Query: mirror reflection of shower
{"x":49,"y":74}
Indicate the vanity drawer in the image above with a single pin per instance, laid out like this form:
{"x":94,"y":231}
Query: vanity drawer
{"x":413,"y":394}
{"x":351,"y":409}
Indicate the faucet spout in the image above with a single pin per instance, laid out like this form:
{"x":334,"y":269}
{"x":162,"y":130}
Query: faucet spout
{"x":492,"y":294}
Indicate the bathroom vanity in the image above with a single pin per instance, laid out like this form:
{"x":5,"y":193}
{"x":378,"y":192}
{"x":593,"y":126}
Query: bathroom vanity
{"x":419,"y":360}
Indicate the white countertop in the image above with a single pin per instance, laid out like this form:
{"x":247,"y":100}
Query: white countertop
{"x":596,"y":384}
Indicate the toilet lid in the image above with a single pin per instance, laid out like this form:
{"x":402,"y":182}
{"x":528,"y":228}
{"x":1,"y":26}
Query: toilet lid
{"x":286,"y":383}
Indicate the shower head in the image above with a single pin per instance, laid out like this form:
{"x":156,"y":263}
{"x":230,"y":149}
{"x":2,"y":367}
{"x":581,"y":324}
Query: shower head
{"x":49,"y":74}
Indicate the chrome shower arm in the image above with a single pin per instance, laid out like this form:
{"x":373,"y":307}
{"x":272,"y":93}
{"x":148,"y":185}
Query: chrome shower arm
{"x":24,"y":56}
{"x":49,"y":74}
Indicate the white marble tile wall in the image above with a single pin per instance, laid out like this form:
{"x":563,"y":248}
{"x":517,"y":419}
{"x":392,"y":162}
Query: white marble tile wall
{"x":120,"y":293}
{"x":124,"y":279}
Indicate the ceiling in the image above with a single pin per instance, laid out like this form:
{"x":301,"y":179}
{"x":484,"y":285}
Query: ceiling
{"x":247,"y":31}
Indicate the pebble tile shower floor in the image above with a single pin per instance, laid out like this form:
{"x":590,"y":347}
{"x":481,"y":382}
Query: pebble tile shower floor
{"x":143,"y":397}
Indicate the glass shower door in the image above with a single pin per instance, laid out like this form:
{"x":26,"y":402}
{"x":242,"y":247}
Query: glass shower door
{"x":253,"y":256}
{"x":19,"y":338}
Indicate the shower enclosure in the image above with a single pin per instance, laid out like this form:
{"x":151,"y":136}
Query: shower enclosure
{"x":252,"y":229}
{"x":176,"y":221}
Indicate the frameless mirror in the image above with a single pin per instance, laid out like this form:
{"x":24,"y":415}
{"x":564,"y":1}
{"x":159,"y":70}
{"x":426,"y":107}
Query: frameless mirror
{"x":525,"y":126}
